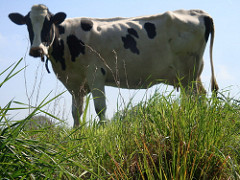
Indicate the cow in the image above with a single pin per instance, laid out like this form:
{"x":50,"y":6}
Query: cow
{"x":88,"y":53}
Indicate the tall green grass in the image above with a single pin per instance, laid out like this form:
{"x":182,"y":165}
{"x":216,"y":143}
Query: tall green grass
{"x":163,"y":138}
{"x":21,"y":156}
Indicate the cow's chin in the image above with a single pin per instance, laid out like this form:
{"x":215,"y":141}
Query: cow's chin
{"x":42,"y":57}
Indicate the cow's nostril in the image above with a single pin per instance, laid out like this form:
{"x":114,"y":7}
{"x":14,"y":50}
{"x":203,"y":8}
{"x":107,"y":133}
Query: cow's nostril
{"x":36,"y":52}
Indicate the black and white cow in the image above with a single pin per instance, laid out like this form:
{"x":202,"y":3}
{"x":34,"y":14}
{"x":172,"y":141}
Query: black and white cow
{"x":89,"y":53}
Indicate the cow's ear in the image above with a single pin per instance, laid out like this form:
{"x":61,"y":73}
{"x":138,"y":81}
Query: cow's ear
{"x":58,"y":18}
{"x":17,"y":18}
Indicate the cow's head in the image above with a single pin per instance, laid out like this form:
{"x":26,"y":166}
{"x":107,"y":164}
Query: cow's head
{"x":41,"y":28}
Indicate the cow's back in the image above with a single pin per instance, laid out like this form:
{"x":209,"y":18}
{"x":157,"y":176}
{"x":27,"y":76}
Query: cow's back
{"x":138,"y":49}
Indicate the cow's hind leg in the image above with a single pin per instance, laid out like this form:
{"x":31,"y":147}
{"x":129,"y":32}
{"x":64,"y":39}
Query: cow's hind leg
{"x":193,"y":91}
{"x":192,"y":83}
{"x":200,"y":88}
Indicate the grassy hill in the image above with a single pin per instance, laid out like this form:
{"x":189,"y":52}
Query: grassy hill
{"x":163,"y":138}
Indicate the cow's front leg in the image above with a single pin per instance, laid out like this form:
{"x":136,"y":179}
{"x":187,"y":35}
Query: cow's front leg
{"x":77,"y":107}
{"x":98,"y":94}
{"x":96,"y":82}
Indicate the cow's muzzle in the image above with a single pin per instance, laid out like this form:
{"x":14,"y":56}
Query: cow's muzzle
{"x":37,"y":52}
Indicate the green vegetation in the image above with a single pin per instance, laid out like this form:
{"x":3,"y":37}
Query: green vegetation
{"x":198,"y":138}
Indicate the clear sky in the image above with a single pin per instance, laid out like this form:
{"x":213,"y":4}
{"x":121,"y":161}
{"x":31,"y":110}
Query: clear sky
{"x":33,"y":84}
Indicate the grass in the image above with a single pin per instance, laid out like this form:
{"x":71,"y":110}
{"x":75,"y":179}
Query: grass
{"x":161,"y":138}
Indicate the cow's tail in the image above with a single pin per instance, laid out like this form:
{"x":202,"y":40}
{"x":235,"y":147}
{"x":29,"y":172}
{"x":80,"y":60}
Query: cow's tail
{"x":210,"y":30}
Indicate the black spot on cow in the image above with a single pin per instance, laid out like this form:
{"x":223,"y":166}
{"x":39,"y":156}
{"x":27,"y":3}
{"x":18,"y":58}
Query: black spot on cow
{"x":86,"y":24}
{"x":76,"y":46}
{"x":150,"y":29}
{"x":209,"y":26}
{"x":130,"y":43}
{"x":58,"y":53}
{"x":30,"y":28}
{"x":133,"y":32}
{"x":99,"y":28}
{"x":103,"y":71}
{"x":61,"y":29}
{"x":47,"y":32}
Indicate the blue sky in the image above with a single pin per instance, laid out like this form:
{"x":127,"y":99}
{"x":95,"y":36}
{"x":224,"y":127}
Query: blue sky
{"x":14,"y":44}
